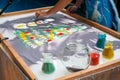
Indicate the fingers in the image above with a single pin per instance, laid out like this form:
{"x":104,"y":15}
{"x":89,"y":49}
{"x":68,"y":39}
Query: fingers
{"x":42,"y":14}
{"x":37,"y":14}
{"x":68,"y":9}
{"x":71,"y":9}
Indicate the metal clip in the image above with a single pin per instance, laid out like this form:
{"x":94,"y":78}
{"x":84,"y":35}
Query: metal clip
{"x":3,"y":39}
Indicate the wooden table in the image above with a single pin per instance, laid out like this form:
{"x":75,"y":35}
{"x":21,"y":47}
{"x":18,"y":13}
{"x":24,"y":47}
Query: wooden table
{"x":32,"y":72}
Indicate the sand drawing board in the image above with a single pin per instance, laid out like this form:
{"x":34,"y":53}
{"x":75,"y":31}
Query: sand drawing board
{"x":29,"y":36}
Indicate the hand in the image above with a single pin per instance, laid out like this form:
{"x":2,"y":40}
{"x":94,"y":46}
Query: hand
{"x":72,"y":8}
{"x":41,"y":14}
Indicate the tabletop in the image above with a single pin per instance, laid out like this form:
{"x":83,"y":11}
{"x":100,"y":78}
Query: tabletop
{"x":30,"y":51}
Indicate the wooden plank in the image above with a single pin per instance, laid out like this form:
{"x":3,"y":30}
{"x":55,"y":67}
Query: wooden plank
{"x":17,"y":59}
{"x":91,"y":71}
{"x":23,"y":12}
{"x":8,"y":69}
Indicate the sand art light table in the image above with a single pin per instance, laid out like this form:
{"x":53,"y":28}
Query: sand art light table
{"x":28,"y":36}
